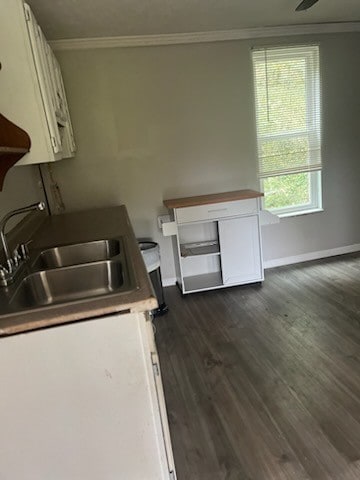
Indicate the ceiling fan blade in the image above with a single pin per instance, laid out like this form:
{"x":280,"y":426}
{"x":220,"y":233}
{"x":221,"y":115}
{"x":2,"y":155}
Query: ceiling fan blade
{"x":305,"y":4}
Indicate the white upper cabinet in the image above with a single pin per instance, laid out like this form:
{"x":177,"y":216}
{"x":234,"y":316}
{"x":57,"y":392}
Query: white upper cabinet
{"x":32,"y":90}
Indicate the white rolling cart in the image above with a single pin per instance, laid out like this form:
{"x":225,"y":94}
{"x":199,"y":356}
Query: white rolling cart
{"x":216,"y":239}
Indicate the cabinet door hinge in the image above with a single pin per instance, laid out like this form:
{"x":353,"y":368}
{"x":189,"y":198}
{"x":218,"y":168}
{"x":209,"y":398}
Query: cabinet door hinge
{"x":27,"y":13}
{"x":156,"y":369}
{"x":53,"y":142}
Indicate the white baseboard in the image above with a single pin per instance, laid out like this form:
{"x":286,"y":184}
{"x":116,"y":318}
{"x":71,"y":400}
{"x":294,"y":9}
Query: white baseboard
{"x":306,"y":257}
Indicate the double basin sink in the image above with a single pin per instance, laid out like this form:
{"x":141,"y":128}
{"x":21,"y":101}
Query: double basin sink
{"x":73,"y":272}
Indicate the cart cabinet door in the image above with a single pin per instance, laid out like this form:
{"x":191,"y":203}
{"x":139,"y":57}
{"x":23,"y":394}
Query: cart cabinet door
{"x":240,"y":250}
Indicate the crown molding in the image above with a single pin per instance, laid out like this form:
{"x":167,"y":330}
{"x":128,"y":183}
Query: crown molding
{"x":203,"y":37}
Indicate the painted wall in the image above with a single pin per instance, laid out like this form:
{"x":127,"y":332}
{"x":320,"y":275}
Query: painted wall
{"x":160,"y":122}
{"x":21,"y":187}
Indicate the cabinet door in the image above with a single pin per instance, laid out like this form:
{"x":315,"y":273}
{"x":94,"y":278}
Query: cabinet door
{"x":40,"y":48}
{"x":240,"y":250}
{"x":69,"y":146}
{"x":163,"y":415}
{"x":79,"y":401}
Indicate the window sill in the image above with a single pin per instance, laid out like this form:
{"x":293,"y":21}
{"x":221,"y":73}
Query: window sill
{"x":299,"y":213}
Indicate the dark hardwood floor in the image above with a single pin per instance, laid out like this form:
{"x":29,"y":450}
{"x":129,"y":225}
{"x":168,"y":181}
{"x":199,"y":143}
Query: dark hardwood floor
{"x":263,"y":382}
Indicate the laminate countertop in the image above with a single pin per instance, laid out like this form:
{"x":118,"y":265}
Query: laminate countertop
{"x":78,"y":227}
{"x":211,"y":198}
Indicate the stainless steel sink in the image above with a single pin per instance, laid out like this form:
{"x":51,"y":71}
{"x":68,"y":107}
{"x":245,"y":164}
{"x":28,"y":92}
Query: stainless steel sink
{"x":66,"y":284}
{"x":77,"y":254}
{"x":68,"y":273}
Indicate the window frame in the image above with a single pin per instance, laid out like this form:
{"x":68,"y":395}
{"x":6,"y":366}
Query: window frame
{"x":313,"y":100}
{"x":315,"y":190}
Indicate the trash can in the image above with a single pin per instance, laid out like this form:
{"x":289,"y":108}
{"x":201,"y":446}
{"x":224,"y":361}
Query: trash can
{"x":151,"y":255}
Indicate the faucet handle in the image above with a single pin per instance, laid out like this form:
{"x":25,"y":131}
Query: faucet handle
{"x":9,"y":265}
{"x":16,"y":257}
{"x":3,"y":271}
{"x":24,"y":250}
{"x":5,"y":276}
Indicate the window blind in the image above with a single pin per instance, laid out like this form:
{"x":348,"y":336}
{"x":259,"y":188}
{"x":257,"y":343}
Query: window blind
{"x":287,"y":97}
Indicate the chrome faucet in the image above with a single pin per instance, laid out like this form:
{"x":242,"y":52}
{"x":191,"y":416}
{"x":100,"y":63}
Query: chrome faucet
{"x":14,"y":261}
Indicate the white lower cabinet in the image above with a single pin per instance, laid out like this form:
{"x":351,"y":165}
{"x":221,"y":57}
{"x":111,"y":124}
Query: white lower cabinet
{"x":84,"y":401}
{"x":217,"y":245}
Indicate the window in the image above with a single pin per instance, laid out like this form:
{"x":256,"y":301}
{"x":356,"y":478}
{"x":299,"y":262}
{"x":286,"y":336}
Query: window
{"x":287,"y":98}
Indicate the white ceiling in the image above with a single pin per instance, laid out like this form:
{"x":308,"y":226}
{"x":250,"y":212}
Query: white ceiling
{"x":61,"y":19}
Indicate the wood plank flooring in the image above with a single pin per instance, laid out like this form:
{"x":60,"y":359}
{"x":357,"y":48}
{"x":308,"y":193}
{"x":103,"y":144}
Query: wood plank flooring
{"x":263,"y":382}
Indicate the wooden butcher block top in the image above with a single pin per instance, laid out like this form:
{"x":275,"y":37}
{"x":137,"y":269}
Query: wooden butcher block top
{"x":212,"y":198}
